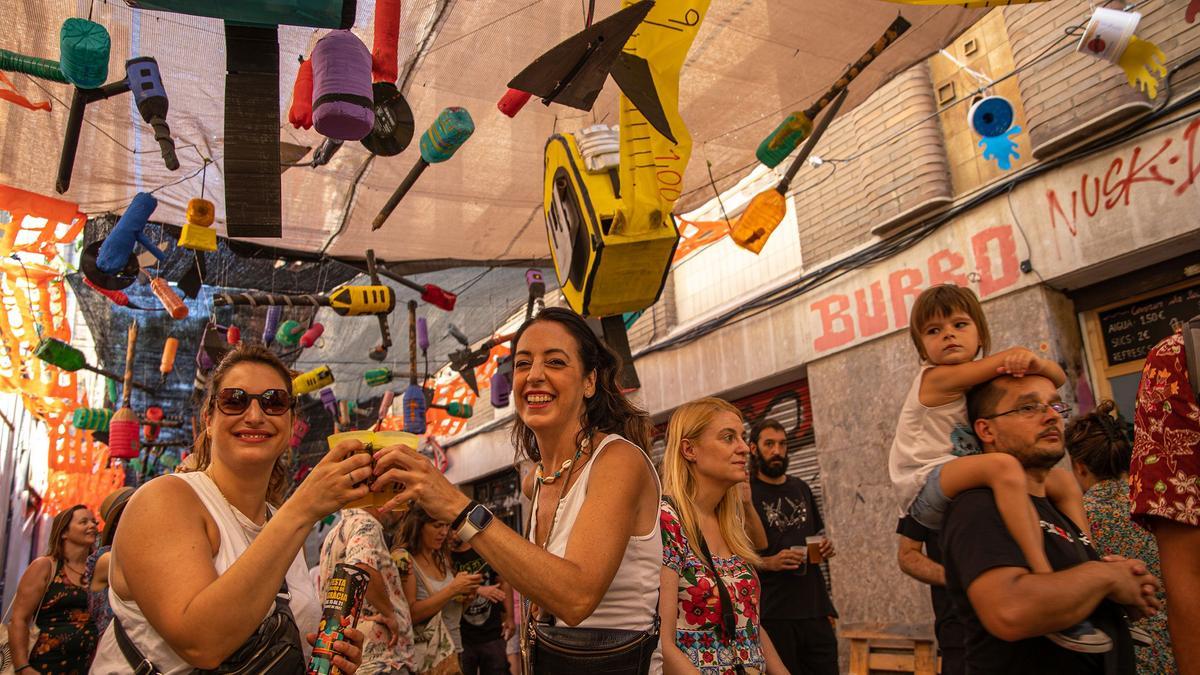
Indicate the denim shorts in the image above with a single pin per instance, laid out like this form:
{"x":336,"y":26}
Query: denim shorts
{"x":929,"y":508}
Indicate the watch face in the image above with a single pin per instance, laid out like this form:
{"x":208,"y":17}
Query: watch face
{"x":479,"y":517}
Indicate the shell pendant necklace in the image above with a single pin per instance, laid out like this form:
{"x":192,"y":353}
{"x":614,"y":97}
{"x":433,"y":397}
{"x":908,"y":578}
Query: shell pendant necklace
{"x":543,"y":479}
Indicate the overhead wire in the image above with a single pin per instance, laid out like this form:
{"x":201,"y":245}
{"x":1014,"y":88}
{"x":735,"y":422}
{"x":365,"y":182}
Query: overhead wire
{"x":888,"y":247}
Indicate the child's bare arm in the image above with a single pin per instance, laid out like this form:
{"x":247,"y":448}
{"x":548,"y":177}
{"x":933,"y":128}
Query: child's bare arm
{"x":945,"y":384}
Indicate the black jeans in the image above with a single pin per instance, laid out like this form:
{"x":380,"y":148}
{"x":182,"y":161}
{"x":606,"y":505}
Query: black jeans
{"x":484,"y":658}
{"x":806,"y":646}
{"x":952,"y":644}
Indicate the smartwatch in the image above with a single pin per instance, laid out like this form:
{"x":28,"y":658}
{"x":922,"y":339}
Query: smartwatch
{"x":475,"y":519}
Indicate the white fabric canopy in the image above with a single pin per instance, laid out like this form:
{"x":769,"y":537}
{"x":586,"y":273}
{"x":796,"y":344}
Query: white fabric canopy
{"x":752,"y":63}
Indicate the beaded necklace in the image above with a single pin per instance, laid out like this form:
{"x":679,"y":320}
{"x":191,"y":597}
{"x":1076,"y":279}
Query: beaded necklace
{"x":543,"y":479}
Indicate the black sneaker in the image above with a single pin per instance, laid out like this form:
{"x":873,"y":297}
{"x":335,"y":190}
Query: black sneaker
{"x":1082,"y":637}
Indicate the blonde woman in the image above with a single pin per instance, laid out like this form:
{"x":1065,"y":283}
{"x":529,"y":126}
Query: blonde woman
{"x":710,"y":593}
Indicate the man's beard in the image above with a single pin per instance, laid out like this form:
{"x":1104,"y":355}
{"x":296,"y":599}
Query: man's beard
{"x":773,"y":468}
{"x":1035,"y":457}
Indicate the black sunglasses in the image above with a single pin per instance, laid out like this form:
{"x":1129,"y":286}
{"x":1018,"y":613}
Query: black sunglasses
{"x":235,"y":401}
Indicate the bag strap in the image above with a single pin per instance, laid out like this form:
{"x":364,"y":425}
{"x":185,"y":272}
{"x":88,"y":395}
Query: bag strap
{"x":133,"y":656}
{"x":728,"y":620}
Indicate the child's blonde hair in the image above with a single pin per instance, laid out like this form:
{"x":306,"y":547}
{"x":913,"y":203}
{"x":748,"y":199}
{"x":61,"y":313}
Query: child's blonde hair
{"x":941,"y":301}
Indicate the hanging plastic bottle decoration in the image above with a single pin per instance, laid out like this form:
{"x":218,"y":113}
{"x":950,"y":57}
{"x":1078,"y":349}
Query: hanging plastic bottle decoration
{"x":992,"y":118}
{"x":1109,"y":36}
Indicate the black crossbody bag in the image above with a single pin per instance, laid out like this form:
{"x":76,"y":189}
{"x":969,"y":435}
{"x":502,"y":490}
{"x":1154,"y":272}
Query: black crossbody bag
{"x":273,"y":649}
{"x":550,"y":649}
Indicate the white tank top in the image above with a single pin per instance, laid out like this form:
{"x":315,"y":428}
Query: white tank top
{"x":236,"y":531}
{"x":925,"y":438}
{"x":632,"y":596}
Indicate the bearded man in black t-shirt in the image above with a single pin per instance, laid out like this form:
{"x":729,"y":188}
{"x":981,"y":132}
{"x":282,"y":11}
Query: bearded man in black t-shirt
{"x":1006,"y":608}
{"x":796,"y":610}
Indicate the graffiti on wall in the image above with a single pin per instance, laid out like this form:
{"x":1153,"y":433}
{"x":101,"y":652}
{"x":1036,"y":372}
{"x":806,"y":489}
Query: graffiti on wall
{"x":1165,"y":168}
{"x":881,"y":301}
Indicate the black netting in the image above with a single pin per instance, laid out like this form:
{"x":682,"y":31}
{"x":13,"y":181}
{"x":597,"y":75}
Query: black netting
{"x":487,"y":298}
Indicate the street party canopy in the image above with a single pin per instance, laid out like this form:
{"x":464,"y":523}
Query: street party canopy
{"x":752,"y":63}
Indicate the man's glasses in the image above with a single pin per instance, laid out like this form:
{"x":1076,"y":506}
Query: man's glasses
{"x":1032,"y":409}
{"x":235,"y":401}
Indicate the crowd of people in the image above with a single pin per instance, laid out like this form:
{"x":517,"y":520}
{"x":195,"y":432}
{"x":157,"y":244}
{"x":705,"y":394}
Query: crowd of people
{"x":710,"y":562}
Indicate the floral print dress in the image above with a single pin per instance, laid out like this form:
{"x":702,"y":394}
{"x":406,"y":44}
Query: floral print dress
{"x":1114,"y":533}
{"x":68,"y":638}
{"x":698,"y":632}
{"x":1164,"y":476}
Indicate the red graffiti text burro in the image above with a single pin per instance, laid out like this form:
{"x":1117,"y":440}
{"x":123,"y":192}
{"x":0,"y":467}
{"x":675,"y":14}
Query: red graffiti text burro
{"x":883,"y":304}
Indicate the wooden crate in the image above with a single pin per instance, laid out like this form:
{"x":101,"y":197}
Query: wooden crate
{"x":885,"y":648}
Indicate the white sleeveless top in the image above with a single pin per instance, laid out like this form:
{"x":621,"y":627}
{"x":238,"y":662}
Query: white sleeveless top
{"x":632,"y":596}
{"x":236,"y":531}
{"x":925,"y":438}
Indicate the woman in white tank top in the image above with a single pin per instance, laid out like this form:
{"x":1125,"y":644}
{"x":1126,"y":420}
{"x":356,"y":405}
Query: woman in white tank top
{"x":594,"y":550}
{"x":200,"y":557}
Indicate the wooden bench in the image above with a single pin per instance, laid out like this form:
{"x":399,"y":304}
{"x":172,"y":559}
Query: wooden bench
{"x":889,"y":648}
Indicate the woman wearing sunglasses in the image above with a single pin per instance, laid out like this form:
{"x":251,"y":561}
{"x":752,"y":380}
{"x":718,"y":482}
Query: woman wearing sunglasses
{"x":710,"y":594}
{"x":207,"y":569}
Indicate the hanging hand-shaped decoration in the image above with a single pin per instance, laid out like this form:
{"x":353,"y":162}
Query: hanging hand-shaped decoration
{"x":992,"y":118}
{"x":1109,"y":37}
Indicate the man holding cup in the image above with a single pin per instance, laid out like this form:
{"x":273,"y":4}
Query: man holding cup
{"x":796,"y":610}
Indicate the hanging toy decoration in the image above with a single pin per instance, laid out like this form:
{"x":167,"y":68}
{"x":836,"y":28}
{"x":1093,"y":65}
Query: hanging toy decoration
{"x":300,"y":114}
{"x":413,"y":402}
{"x":343,"y":104}
{"x":385,"y":404}
{"x":123,"y":439}
{"x":169,"y":349}
{"x":344,"y":300}
{"x":154,"y":415}
{"x":117,"y":298}
{"x":233,"y":335}
{"x":444,"y":137}
{"x":288,"y":334}
{"x":455,"y":409}
{"x":767,"y":208}
{"x":376,"y":377}
{"x":198,"y":233}
{"x":299,"y":431}
{"x":1109,"y":36}
{"x":271,"y":324}
{"x":796,"y":127}
{"x":501,"y":384}
{"x":992,"y":118}
{"x":311,"y":381}
{"x":329,"y":400}
{"x":110,"y":263}
{"x":169,"y":298}
{"x":60,"y":354}
{"x":91,"y":419}
{"x":311,"y":335}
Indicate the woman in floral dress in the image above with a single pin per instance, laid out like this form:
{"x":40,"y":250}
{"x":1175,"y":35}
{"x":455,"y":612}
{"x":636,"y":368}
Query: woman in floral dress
{"x":1164,"y":486}
{"x":1100,"y":449}
{"x":713,"y":618}
{"x":54,"y":590}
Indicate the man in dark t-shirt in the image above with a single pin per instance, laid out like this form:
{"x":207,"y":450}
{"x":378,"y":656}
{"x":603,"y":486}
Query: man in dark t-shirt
{"x":796,"y":610}
{"x":926,"y":567}
{"x":486,"y":622}
{"x":1006,"y":608}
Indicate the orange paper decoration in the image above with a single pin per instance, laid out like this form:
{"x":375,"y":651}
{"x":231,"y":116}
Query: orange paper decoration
{"x":32,"y":306}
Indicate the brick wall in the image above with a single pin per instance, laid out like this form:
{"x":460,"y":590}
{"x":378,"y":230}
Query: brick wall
{"x":1070,"y":96}
{"x":894,"y":182}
